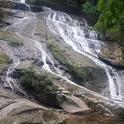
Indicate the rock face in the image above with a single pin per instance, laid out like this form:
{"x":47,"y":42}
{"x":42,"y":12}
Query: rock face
{"x":79,"y":66}
{"x":73,"y":105}
{"x":113,"y":54}
{"x":15,"y":110}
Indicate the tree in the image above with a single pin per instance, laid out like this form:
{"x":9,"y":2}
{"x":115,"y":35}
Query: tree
{"x":112,"y":15}
{"x":111,"y":19}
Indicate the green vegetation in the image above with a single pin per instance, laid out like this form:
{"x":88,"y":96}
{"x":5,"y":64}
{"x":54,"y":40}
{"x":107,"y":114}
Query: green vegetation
{"x":40,"y":86}
{"x":36,"y":83}
{"x":58,"y":54}
{"x":112,"y":14}
{"x":4,"y":59}
{"x":111,"y":19}
{"x":78,"y":73}
{"x":89,"y":7}
{"x":12,"y":39}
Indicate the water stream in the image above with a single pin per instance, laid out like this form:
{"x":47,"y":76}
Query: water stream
{"x":62,"y":25}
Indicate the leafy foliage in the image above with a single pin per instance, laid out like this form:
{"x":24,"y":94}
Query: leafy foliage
{"x":111,"y":20}
{"x":89,"y":7}
{"x":112,"y":15}
{"x":36,"y":83}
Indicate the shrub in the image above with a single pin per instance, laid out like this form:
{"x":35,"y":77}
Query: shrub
{"x":11,"y":38}
{"x":36,"y":83}
{"x":4,"y":58}
{"x":40,"y":86}
{"x":89,"y":8}
{"x":111,"y":19}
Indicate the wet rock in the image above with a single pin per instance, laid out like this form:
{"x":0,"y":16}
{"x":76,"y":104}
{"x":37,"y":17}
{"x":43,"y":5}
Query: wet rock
{"x":38,"y":63}
{"x":82,"y":71}
{"x":56,"y":64}
{"x":63,"y":68}
{"x":72,"y":104}
{"x":48,"y":62}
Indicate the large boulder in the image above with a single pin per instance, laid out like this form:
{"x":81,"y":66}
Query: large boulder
{"x":113,"y":54}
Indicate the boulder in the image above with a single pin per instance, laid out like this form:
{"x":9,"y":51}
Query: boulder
{"x":112,"y":54}
{"x":72,"y":104}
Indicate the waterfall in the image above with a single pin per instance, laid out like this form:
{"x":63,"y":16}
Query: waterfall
{"x":74,"y":35}
{"x":62,"y":25}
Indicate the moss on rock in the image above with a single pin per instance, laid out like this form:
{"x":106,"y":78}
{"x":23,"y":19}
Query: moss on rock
{"x":4,"y":59}
{"x":12,"y":39}
{"x":79,"y":74}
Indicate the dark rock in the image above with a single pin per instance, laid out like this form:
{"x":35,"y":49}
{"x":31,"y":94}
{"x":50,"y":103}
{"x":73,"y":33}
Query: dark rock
{"x":63,"y":68}
{"x":48,"y":100}
{"x":109,"y":62}
{"x":36,"y":8}
{"x":38,"y":63}
{"x":56,"y":64}
{"x":48,"y":62}
{"x":61,"y":5}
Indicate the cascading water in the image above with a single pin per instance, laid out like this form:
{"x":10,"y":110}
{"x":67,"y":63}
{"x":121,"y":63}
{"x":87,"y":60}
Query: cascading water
{"x":11,"y":82}
{"x":62,"y":25}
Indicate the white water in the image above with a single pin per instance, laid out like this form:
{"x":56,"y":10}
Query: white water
{"x":11,"y":82}
{"x":62,"y":25}
{"x":22,"y":1}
